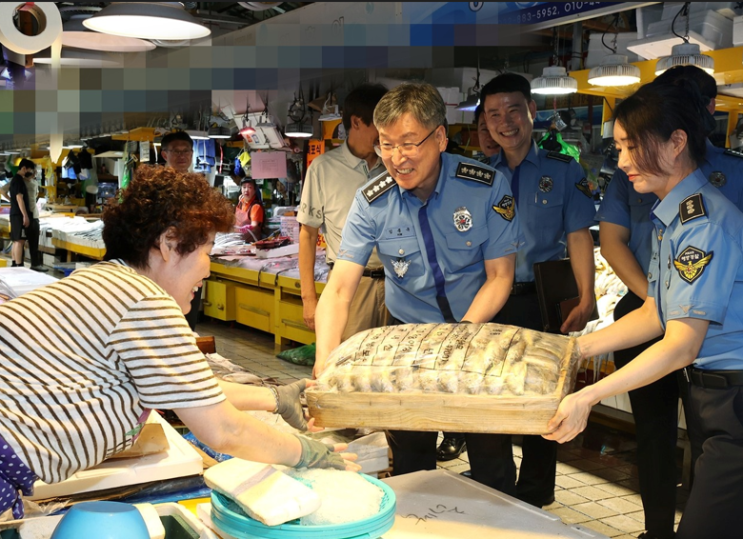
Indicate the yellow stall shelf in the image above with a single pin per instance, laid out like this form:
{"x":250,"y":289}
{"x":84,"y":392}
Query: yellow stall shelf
{"x":265,"y":301}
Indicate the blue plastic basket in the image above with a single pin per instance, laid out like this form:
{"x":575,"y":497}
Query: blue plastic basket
{"x":230,"y":518}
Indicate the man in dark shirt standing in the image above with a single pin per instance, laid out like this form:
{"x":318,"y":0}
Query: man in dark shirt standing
{"x":20,"y":210}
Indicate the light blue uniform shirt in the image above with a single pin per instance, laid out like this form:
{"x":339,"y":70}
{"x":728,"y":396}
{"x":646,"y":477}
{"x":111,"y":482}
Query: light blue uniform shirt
{"x":696,"y":270}
{"x":624,"y":206}
{"x":391,"y":221}
{"x":553,"y":200}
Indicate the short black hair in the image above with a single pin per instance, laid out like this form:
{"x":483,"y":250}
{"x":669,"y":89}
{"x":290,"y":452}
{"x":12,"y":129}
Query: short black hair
{"x":479,"y":110}
{"x":506,"y":83}
{"x":652,"y":114}
{"x":705,"y":81}
{"x":361,"y":102}
{"x":26,"y":163}
{"x":172,"y":137}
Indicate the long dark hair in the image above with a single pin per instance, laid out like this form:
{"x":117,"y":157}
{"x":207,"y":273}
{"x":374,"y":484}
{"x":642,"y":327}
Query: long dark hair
{"x":654,"y":112}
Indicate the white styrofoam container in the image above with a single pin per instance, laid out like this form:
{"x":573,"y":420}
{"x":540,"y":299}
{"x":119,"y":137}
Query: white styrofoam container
{"x":708,"y":29}
{"x":180,"y":460}
{"x":738,"y":31}
{"x":440,"y":504}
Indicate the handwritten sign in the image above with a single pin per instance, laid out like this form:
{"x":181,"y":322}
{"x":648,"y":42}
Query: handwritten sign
{"x":268,"y":165}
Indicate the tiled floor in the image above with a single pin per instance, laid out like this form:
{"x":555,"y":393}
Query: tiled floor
{"x":597,"y":484}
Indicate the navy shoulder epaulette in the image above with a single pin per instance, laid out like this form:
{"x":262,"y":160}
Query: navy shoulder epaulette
{"x":734,"y":153}
{"x":475,"y":173}
{"x":691,"y":208}
{"x":377,"y":188}
{"x":559,"y":156}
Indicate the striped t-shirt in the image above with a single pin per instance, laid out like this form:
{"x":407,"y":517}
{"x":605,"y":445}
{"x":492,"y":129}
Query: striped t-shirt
{"x":83,"y":358}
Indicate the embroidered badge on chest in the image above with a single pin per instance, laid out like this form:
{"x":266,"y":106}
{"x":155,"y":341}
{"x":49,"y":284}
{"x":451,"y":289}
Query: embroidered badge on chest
{"x":584,"y":188}
{"x":717,"y":179}
{"x":401,"y":267}
{"x":545,"y":184}
{"x":462,"y":219}
{"x":505,"y":208}
{"x":691,"y":263}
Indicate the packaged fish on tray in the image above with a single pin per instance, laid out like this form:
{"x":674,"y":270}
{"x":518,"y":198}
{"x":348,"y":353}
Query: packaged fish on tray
{"x":465,"y":377}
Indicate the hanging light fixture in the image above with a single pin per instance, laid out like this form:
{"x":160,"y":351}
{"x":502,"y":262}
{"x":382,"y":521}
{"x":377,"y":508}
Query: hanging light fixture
{"x":614,"y":69}
{"x":554,"y":79}
{"x":297,"y":110}
{"x":247,"y":130}
{"x":76,"y":35}
{"x":330,"y":110}
{"x":147,"y":20}
{"x":473,"y":94}
{"x":684,"y":54}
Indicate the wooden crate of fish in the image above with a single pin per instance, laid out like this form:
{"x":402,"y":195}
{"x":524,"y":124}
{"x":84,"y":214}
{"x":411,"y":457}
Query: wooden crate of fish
{"x":446,"y":377}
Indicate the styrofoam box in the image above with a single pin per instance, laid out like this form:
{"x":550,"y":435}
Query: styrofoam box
{"x":180,"y":460}
{"x":440,"y":504}
{"x":738,"y":31}
{"x":708,"y":29}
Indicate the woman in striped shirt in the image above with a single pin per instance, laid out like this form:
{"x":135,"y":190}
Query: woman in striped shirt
{"x":83,"y":360}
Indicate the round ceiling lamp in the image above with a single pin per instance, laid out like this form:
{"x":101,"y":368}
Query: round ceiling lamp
{"x":76,"y":35}
{"x":80,"y":58}
{"x":685,"y":54}
{"x":614,"y":70}
{"x":147,"y":20}
{"x":554,"y":81}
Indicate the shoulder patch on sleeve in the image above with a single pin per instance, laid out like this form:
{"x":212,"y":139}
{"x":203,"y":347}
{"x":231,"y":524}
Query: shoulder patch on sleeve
{"x":506,"y":208}
{"x":734,"y":153}
{"x":377,"y":188}
{"x":691,"y":263}
{"x":584,"y":188}
{"x":691,"y":208}
{"x":559,"y":156}
{"x":476,"y":173}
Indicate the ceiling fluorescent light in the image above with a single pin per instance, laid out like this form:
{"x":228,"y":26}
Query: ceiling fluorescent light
{"x":219,"y":132}
{"x":685,"y":54}
{"x":554,"y":81}
{"x":298,"y":130}
{"x":147,"y":20}
{"x":614,"y":70}
{"x":197,"y":135}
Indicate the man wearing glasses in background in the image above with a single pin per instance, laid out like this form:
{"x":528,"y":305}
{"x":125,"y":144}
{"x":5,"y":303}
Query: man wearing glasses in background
{"x":177,"y":151}
{"x":447,"y":233}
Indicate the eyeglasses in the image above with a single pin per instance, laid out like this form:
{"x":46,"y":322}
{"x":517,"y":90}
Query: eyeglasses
{"x":179,"y":152}
{"x":406,"y":149}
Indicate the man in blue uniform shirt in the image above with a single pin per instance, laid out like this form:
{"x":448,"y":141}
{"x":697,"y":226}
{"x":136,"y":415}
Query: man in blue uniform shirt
{"x":447,"y":233}
{"x":555,"y":205}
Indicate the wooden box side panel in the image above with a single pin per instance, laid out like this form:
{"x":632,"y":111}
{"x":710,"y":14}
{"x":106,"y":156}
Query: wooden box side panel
{"x":432,"y":412}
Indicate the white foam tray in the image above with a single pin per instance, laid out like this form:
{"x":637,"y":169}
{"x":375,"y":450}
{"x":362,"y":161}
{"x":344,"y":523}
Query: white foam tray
{"x":180,"y":460}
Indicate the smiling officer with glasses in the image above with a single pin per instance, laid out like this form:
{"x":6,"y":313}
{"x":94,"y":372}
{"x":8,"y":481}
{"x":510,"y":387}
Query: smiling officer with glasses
{"x":447,"y":233}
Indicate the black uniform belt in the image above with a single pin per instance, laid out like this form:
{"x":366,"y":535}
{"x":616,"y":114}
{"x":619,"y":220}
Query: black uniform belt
{"x":377,"y":273}
{"x":713,"y":379}
{"x":519,"y":289}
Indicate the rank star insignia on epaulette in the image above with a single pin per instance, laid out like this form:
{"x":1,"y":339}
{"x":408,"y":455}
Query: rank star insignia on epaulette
{"x":734,"y":153}
{"x":377,"y":188}
{"x":505,"y":208}
{"x":584,"y":188}
{"x":475,"y":173}
{"x":691,"y":263}
{"x":462,"y":219}
{"x":717,"y":179}
{"x":559,"y":156}
{"x":691,"y":208}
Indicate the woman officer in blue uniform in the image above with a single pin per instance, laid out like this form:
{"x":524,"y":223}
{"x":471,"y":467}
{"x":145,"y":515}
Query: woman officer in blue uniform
{"x":695,"y":285}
